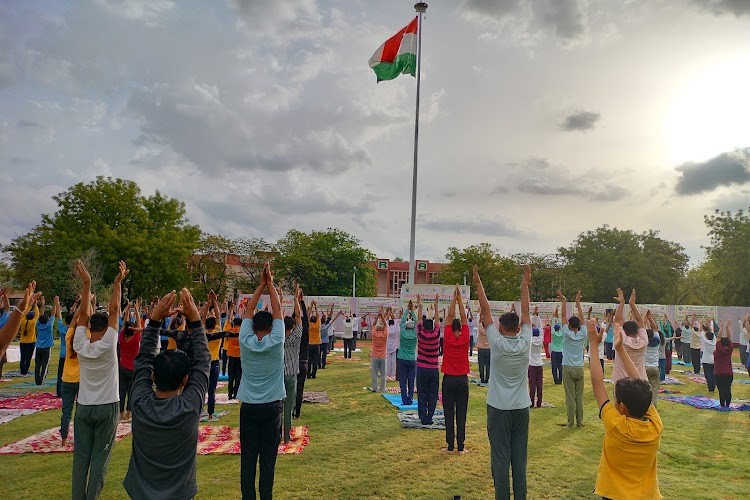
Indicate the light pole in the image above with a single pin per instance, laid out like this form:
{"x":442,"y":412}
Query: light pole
{"x":465,"y":273}
{"x":354,"y":282}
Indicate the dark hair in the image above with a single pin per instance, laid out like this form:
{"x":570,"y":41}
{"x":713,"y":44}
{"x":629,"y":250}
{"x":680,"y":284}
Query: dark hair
{"x":509,"y":321}
{"x":557,"y":328}
{"x":313,"y":319}
{"x":635,"y":394}
{"x":30,"y":315}
{"x":324,"y":319}
{"x":535,"y":331}
{"x":170,"y":367}
{"x":630,"y":328}
{"x":391,"y":322}
{"x":725,"y":341}
{"x":456,"y":325}
{"x":99,"y":322}
{"x":709,"y":335}
{"x":68,"y":318}
{"x":429,"y":325}
{"x":44,"y":318}
{"x":210,"y":323}
{"x":574,"y":322}
{"x":127,"y":329}
{"x":289,"y":322}
{"x":262,"y":321}
{"x":237,"y":322}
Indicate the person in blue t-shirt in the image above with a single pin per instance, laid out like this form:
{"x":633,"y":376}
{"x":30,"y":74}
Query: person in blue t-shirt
{"x":44,"y":343}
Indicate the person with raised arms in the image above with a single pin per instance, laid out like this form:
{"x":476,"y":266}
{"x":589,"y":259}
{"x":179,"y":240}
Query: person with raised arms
{"x":12,"y":321}
{"x":44,"y":342}
{"x":632,"y":428}
{"x":61,"y":326}
{"x":261,"y":388}
{"x":508,"y":393}
{"x":635,"y":340}
{"x":165,"y":420}
{"x":293,"y":337}
{"x":651,"y":358}
{"x":428,"y":365}
{"x":325,"y":333}
{"x":455,"y":370}
{"x":723,"y":372}
{"x":377,"y":354}
{"x":407,"y":354}
{"x":314,"y":343}
{"x":391,"y":345}
{"x":304,"y":352}
{"x":556,"y":347}
{"x":574,"y":338}
{"x":97,"y":410}
{"x":70,"y":379}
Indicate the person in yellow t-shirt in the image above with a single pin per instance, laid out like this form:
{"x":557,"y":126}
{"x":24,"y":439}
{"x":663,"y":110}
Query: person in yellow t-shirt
{"x":234,"y":368}
{"x":632,"y":427}
{"x":71,"y":376}
{"x":27,"y":331}
{"x":315,"y":342}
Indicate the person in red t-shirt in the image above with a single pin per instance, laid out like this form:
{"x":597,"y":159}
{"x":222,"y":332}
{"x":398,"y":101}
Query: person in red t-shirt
{"x":129,"y":344}
{"x":723,"y":365}
{"x":455,"y":373}
{"x":547,"y":338}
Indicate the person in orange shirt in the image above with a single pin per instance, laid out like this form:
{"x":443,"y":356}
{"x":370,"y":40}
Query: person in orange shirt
{"x":632,"y":428}
{"x":234,"y":367}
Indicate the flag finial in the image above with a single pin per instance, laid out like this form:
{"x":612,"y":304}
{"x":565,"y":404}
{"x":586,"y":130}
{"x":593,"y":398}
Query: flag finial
{"x":420,"y":7}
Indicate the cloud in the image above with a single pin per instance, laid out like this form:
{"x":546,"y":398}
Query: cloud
{"x":720,"y":7}
{"x":27,"y":124}
{"x":148,"y":11}
{"x":726,"y":169}
{"x":539,"y":177}
{"x":580,"y":121}
{"x":482,"y":225}
{"x":528,"y":20}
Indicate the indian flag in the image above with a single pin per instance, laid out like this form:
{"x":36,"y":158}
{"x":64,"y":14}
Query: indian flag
{"x":397,"y":55}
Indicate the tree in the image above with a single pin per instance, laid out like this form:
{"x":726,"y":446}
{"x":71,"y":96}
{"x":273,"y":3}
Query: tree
{"x":549,"y":274}
{"x":111,"y":217}
{"x":500,"y":275}
{"x":606,"y":258}
{"x":209,"y":266}
{"x":7,"y":276}
{"x":252,"y":254}
{"x":729,"y":256}
{"x":323,"y":262}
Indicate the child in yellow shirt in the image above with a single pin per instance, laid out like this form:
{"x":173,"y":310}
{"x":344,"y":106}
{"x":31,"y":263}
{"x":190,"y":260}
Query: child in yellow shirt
{"x":632,"y":429}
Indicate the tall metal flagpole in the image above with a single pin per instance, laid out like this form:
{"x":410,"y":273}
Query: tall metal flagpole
{"x":421,"y":8}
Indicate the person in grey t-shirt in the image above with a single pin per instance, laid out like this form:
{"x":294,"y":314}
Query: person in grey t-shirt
{"x":165,"y":421}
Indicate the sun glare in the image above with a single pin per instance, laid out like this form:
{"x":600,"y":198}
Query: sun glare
{"x":710,"y":114}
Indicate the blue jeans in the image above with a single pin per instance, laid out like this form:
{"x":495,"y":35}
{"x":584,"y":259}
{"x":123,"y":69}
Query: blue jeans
{"x":213,"y":379}
{"x":406,"y":372}
{"x":428,"y":383}
{"x":662,"y":369}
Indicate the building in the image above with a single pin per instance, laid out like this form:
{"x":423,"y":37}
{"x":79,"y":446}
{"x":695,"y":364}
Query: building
{"x":392,"y":274}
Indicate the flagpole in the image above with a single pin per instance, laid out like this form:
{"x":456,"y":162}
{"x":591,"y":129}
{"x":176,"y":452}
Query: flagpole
{"x":421,"y":8}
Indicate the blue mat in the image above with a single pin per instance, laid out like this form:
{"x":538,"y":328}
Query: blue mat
{"x":223,"y":378}
{"x":395,"y":400}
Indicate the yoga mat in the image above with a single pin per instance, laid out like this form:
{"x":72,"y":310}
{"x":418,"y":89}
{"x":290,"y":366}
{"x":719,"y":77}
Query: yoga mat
{"x":705,"y":403}
{"x":30,"y":384}
{"x":12,"y":374}
{"x":217,"y":416}
{"x":6,"y":380}
{"x":35,"y":401}
{"x":49,"y":441}
{"x":672,"y":381}
{"x":545,"y":404}
{"x":744,"y":381}
{"x":395,"y":400}
{"x":8,"y":415}
{"x":222,"y":398}
{"x":220,"y":439}
{"x":410,"y":420}
{"x":221,"y":385}
{"x":223,"y":378}
{"x":663,"y":390}
{"x":315,"y":397}
{"x":476,"y":381}
{"x":698,"y":379}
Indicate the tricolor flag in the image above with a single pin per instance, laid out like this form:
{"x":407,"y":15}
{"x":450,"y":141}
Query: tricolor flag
{"x":397,"y":55}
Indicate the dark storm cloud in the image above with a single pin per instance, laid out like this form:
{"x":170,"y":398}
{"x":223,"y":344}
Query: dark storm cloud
{"x":720,"y":7}
{"x":726,"y":169}
{"x":580,"y":121}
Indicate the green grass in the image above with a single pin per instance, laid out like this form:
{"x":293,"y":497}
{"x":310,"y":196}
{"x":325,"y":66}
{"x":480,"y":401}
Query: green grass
{"x":359,"y":450}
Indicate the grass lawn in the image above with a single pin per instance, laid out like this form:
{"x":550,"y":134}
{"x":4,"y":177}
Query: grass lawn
{"x":359,"y":450}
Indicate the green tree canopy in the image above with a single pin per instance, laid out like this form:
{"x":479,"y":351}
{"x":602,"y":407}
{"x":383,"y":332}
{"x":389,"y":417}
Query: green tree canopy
{"x":599,"y":261}
{"x":111,"y":218}
{"x":501,"y":276}
{"x":323,"y":262}
{"x":728,"y":256}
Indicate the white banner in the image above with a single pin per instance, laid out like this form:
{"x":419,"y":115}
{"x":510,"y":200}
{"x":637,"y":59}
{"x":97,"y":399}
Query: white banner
{"x":497,"y":307}
{"x":428,"y":292}
{"x":701,"y":312}
{"x":371,"y":305}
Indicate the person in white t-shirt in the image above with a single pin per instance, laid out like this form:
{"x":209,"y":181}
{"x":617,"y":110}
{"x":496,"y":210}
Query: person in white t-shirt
{"x":97,"y":410}
{"x":391,"y":346}
{"x":355,"y":332}
{"x":743,"y":340}
{"x":536,"y":373}
{"x":708,"y":346}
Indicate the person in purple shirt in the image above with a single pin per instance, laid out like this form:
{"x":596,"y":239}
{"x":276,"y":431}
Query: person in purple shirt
{"x":428,"y":373}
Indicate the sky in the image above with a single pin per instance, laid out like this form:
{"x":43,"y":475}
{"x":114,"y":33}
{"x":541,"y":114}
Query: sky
{"x":539,"y":119}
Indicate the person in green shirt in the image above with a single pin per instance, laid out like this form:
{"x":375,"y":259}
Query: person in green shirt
{"x":406,"y":356}
{"x":557,"y":348}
